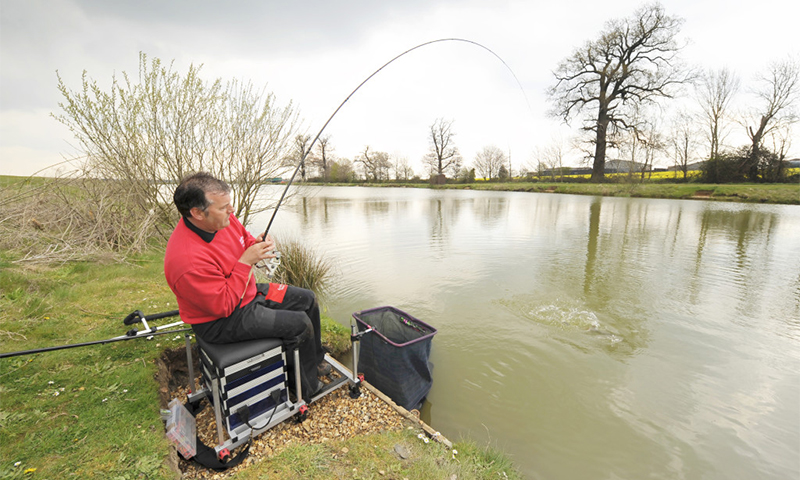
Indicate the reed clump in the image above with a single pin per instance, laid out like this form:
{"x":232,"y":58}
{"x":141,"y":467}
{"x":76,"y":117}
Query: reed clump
{"x":303,"y":267}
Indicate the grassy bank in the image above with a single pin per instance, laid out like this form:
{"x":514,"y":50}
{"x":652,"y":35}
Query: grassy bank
{"x":777,"y":193}
{"x":758,"y":193}
{"x":93,"y":412}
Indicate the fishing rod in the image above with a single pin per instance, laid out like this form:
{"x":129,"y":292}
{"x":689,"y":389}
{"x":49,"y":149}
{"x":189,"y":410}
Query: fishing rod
{"x":306,"y":152}
{"x":137,"y":316}
{"x":132,"y":318}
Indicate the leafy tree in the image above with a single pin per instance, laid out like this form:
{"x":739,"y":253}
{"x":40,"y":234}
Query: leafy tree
{"x":376,"y":165}
{"x":467,"y":175}
{"x":502,"y":173}
{"x":633,"y":62}
{"x":725,"y":168}
{"x":342,"y":171}
{"x":155,"y":131}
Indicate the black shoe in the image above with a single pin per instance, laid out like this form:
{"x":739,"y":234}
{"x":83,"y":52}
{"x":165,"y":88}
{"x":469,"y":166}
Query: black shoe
{"x":324,"y":369}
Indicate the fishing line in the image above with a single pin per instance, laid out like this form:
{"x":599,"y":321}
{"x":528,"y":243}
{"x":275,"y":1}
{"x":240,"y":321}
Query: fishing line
{"x":305,"y":154}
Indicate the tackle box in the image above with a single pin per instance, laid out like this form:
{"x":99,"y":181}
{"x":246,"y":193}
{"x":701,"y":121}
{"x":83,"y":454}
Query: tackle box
{"x":249,"y":377}
{"x":181,"y":429}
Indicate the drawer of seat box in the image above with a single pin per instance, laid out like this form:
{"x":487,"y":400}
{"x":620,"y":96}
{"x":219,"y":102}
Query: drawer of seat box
{"x":254,"y":388}
{"x":245,"y":378}
{"x":258,"y":386}
{"x":260,"y":409}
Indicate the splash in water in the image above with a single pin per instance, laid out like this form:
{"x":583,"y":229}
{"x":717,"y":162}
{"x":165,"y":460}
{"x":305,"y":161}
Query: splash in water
{"x":572,"y":319}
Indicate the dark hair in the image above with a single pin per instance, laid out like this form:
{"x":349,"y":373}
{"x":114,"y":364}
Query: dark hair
{"x":192,"y":191}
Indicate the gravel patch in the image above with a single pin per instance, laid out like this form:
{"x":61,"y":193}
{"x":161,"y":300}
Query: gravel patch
{"x":334,"y":417}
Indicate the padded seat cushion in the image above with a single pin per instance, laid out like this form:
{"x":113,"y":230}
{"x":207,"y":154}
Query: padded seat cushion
{"x":226,"y":354}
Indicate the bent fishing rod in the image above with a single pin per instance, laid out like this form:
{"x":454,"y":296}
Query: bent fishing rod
{"x":138,"y":316}
{"x":306,"y":152}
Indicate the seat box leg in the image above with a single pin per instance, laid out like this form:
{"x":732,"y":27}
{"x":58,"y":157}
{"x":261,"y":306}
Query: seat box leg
{"x":217,"y":409}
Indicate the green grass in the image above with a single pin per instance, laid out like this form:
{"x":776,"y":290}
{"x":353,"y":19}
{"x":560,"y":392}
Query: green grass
{"x":89,"y":412}
{"x":7,"y":181}
{"x":93,"y":412}
{"x":375,"y":457}
{"x":777,"y":193}
{"x":780,"y":193}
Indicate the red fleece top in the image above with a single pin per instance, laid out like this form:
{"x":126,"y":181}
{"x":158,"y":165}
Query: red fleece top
{"x":207,"y":277}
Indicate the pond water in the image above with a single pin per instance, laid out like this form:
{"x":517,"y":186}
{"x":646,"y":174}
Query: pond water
{"x":587,"y":337}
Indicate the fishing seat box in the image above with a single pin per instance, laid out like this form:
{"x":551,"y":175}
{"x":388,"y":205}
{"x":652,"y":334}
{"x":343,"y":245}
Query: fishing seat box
{"x":245,"y":374}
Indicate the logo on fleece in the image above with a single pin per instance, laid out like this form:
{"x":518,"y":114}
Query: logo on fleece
{"x":276,"y":292}
{"x":241,"y":240}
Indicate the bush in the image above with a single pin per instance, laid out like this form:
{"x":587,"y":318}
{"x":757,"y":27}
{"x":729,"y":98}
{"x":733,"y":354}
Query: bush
{"x":726,"y":168}
{"x":156,"y":131}
{"x":740,"y":166}
{"x":55,"y":220}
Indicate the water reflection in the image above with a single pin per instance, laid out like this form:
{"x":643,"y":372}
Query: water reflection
{"x":443,"y":212}
{"x":636,"y":335}
{"x":591,"y":249}
{"x":375,"y":208}
{"x":490,"y":211}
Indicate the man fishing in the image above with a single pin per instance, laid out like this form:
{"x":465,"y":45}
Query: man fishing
{"x":209,"y":264}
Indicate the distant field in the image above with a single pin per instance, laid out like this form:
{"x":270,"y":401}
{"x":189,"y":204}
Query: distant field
{"x":656,"y":185}
{"x":653,"y":176}
{"x":783,"y":193}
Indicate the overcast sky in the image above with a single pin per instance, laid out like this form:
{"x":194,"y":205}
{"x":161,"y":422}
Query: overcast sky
{"x":314,"y":53}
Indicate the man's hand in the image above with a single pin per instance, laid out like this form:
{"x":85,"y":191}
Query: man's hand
{"x":259,"y":251}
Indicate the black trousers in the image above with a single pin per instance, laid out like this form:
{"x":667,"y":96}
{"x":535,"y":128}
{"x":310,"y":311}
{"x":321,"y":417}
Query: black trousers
{"x":294,"y":319}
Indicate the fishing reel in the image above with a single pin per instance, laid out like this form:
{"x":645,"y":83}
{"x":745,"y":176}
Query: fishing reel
{"x":272,"y":265}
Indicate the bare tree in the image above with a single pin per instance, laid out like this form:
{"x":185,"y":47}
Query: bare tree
{"x":488,"y":161}
{"x":324,"y":156}
{"x":683,"y":141}
{"x":443,"y":157}
{"x":778,"y":93}
{"x":633,"y":62}
{"x":654,"y":143}
{"x":642,"y":141}
{"x":774,"y":168}
{"x":550,"y":159}
{"x":167,"y":125}
{"x":402,"y":170}
{"x":716,"y":91}
{"x":301,"y":147}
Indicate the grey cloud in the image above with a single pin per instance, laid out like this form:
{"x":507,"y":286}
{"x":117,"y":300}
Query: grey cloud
{"x":38,"y":37}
